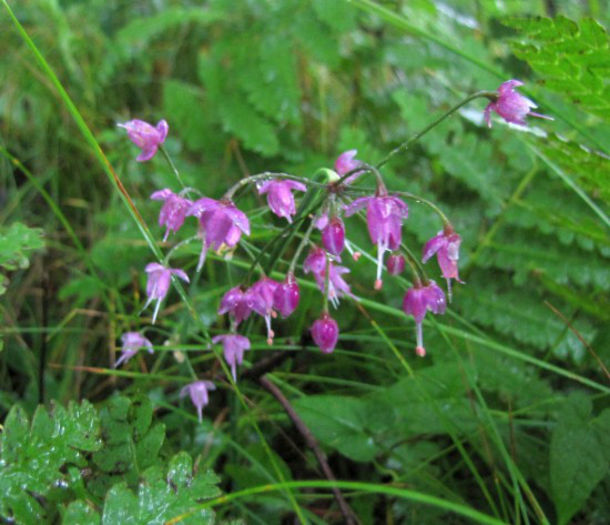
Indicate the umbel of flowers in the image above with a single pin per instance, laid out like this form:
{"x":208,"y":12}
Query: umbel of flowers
{"x":322,"y":233}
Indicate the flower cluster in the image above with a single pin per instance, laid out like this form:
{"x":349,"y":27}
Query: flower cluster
{"x":221,"y":226}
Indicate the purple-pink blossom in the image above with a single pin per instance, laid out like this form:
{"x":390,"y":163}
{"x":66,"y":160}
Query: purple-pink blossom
{"x":237,"y":303}
{"x":131,"y":343}
{"x":395,"y":264}
{"x":262,"y":293}
{"x":384,"y":215}
{"x":316,"y":263}
{"x":157,"y":286}
{"x":280,"y":197}
{"x":173,"y":211}
{"x":221,"y":223}
{"x":233,"y":346}
{"x":146,"y":136}
{"x":286,"y":296}
{"x":347,"y":162}
{"x":446,"y":246}
{"x":198,"y":392}
{"x":511,"y":105}
{"x":325,"y":333}
{"x":417,"y":301}
{"x":333,"y":236}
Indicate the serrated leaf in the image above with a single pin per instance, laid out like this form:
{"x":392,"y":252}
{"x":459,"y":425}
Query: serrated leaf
{"x":17,"y":241}
{"x":578,"y":52}
{"x":162,"y":495}
{"x":578,"y":461}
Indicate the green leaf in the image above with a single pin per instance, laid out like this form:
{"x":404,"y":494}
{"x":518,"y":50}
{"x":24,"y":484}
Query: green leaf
{"x":572,"y":59}
{"x":578,"y":459}
{"x":339,"y":422}
{"x":79,"y":512}
{"x":39,"y":457}
{"x":17,"y":241}
{"x":163,"y":494}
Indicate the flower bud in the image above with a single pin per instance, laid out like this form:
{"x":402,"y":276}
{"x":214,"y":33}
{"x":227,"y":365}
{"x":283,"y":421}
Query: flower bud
{"x":325,"y":333}
{"x":286,"y":296}
{"x":333,"y":236}
{"x":395,"y":264}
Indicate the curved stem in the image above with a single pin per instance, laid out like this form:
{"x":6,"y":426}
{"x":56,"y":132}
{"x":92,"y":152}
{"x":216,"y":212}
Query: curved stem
{"x":491,"y":95}
{"x":177,"y":246}
{"x":171,"y":165}
{"x":262,"y":176}
{"x":300,"y":247}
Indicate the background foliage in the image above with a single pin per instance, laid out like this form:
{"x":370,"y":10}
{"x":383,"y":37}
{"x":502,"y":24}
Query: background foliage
{"x":509,"y":413}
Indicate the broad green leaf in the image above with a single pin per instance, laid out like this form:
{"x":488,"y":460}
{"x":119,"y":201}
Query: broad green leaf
{"x":578,"y":457}
{"x":339,"y":422}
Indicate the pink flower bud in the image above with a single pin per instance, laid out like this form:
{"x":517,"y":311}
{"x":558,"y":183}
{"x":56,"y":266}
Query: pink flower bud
{"x":333,"y":236}
{"x":395,"y":264}
{"x":280,"y":197}
{"x":325,"y":333}
{"x":286,"y":296}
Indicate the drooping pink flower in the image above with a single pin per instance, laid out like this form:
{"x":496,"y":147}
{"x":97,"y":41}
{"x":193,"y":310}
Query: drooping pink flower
{"x":417,"y":301}
{"x":238,"y":303}
{"x":446,"y":246}
{"x":146,"y":136}
{"x":233,"y":346}
{"x":315,"y":263}
{"x":262,"y":293}
{"x":511,"y":105}
{"x":221,"y":223}
{"x":131,"y":343}
{"x":173,"y":210}
{"x":198,"y":391}
{"x":325,"y":333}
{"x":384,"y":216}
{"x":286,"y":296}
{"x":159,"y":278}
{"x":333,"y":236}
{"x":347,"y":162}
{"x":280,"y":197}
{"x":395,"y":264}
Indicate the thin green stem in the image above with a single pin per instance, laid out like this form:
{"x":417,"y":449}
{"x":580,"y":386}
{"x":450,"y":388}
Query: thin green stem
{"x":172,"y":165}
{"x":491,"y":95}
{"x":369,"y":488}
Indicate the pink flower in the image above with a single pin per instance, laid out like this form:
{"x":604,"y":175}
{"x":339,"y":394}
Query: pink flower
{"x":446,"y":246}
{"x":221,"y":223}
{"x":347,"y":162}
{"x":512,"y":106}
{"x":198,"y":391}
{"x":280,"y":197}
{"x":325,"y":333}
{"x":395,"y":264}
{"x":315,"y":263}
{"x":262,"y":293}
{"x":417,"y":301}
{"x":159,"y":278}
{"x":333,"y":236}
{"x":132,"y":342}
{"x":147,"y":137}
{"x":233,"y":346}
{"x":384,"y":216}
{"x":286,"y":296}
{"x":173,"y":210}
{"x":237,"y":303}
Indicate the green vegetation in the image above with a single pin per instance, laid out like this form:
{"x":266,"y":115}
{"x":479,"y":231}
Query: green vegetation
{"x":507,"y":418}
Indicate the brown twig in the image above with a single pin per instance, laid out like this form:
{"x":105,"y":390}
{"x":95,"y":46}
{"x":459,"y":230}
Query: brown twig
{"x":579,"y":336}
{"x":312,"y":443}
